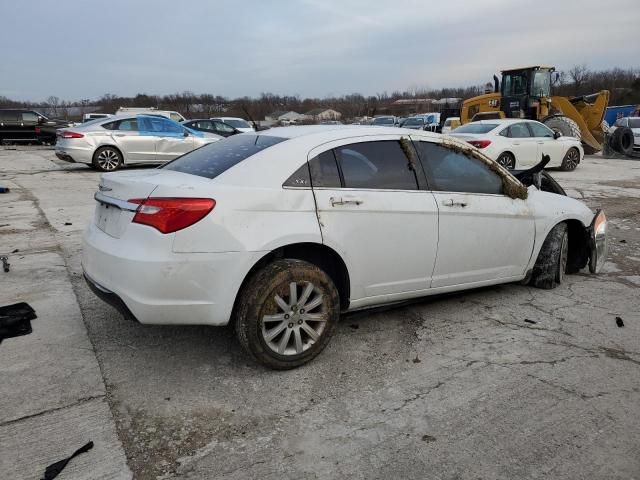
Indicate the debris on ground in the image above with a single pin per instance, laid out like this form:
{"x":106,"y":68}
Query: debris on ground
{"x":416,"y":360}
{"x":5,"y":263}
{"x":4,"y":189}
{"x":53,"y":470}
{"x":15,"y":320}
{"x":428,"y":438}
{"x":68,"y":223}
{"x":530,"y":321}
{"x":619,"y":322}
{"x":355,"y":326}
{"x":623,"y":241}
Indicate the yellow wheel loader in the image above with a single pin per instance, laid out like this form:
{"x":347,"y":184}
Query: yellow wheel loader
{"x":526,"y":93}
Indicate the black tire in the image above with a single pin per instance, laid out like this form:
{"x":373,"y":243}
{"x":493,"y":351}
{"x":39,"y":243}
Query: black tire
{"x":564,"y":125}
{"x":571,"y":160}
{"x":622,"y":140}
{"x":258,"y":307}
{"x":107,"y":159}
{"x":507,"y":160}
{"x":551,"y":264}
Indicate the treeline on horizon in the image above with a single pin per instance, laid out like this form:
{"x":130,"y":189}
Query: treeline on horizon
{"x":624,"y":85}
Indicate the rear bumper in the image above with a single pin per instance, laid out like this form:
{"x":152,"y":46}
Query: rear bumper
{"x":65,"y":157}
{"x":140,"y":275}
{"x":110,"y":298}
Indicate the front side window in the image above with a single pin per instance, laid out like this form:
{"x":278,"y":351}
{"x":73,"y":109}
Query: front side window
{"x":519,"y":130}
{"x":540,"y":130}
{"x":634,"y":122}
{"x":215,"y":158}
{"x":237,"y":123}
{"x":376,"y":165}
{"x":29,"y":117}
{"x":161,"y":126}
{"x":223,"y":127}
{"x":541,"y":84}
{"x":452,"y":171}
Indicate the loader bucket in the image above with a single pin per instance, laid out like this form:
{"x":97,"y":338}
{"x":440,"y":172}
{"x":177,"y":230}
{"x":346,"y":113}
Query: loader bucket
{"x":588,"y":112}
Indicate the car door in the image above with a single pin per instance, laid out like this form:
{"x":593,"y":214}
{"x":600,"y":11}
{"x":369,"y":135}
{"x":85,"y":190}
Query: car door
{"x":171,"y":138}
{"x":136,"y":145}
{"x":483,"y":234}
{"x":547,"y":143}
{"x":372,"y":212}
{"x":28,"y":125}
{"x":10,"y":128}
{"x":523,"y":145}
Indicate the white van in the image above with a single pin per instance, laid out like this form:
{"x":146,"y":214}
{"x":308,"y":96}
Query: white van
{"x":151,"y":111}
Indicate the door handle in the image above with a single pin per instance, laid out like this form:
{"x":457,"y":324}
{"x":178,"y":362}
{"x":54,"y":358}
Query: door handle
{"x":516,"y":143}
{"x":119,"y":134}
{"x":451,"y":203}
{"x":344,"y":201}
{"x":541,"y":143}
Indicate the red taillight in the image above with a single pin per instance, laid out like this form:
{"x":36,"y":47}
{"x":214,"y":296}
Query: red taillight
{"x":37,"y":130}
{"x":169,"y":215}
{"x":479,"y":143}
{"x":68,"y":134}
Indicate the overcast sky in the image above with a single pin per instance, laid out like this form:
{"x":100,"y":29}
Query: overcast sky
{"x":77,"y":49}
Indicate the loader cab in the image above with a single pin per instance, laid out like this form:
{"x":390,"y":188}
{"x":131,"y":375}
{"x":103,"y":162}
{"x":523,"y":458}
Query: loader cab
{"x":525,"y":92}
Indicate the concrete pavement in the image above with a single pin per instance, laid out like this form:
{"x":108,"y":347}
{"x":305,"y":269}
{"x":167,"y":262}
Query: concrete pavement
{"x":52,"y":395}
{"x":454,"y":387}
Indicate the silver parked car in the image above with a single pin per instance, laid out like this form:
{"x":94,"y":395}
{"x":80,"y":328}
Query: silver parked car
{"x":109,"y":143}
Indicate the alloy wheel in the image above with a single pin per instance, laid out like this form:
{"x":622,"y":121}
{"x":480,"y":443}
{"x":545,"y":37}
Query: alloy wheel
{"x":507,"y":161}
{"x":108,"y":160}
{"x":299,"y":322}
{"x":572,"y":159}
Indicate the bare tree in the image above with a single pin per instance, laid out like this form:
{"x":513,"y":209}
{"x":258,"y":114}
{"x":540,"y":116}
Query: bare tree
{"x":579,"y":74}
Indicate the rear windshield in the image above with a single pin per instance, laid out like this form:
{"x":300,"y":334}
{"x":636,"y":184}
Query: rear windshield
{"x":215,"y":158}
{"x":476,"y":128}
{"x":383,"y":121}
{"x":414,"y":121}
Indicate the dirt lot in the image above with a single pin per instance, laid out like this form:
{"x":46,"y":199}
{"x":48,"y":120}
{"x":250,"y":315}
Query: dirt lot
{"x":499,"y":383}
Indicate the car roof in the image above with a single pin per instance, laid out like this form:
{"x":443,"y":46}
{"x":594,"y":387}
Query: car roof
{"x":503,"y":121}
{"x":339,"y":130}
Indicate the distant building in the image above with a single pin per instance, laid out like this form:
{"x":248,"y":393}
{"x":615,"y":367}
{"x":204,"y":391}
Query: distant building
{"x":323,"y":114}
{"x":284,"y":116}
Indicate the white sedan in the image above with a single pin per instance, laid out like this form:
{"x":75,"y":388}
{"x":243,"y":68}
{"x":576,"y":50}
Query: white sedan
{"x":517,"y":144}
{"x":280,"y":231}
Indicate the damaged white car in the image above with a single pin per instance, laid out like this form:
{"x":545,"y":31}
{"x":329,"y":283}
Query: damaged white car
{"x":280,"y":231}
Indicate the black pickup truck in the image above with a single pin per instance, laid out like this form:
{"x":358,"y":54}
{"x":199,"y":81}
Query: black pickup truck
{"x":20,"y":125}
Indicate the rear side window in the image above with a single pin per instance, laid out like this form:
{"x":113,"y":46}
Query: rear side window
{"x":451,"y":171}
{"x":324,"y":170}
{"x":215,"y":158}
{"x":129,"y":124}
{"x":8,"y":116}
{"x":376,"y":165}
{"x":519,"y":130}
{"x":29,"y":117}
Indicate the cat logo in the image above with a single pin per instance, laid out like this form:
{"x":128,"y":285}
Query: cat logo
{"x":494,"y":102}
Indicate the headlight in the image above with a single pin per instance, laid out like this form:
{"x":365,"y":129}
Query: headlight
{"x":598,"y":242}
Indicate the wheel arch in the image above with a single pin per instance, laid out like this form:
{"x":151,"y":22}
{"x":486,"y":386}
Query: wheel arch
{"x":318,"y":254}
{"x":579,"y":243}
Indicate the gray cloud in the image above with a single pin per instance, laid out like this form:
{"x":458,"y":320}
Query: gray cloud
{"x":81,"y":49}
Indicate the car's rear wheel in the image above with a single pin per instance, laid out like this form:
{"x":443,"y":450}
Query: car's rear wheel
{"x":551,"y":265}
{"x":286,"y":313}
{"x":507,"y":160}
{"x":571,"y":160}
{"x":107,"y":159}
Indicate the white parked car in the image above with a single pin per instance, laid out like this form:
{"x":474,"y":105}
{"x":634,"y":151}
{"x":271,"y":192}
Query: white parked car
{"x":109,"y":143}
{"x":239,"y":124}
{"x":516,"y":143}
{"x":280,"y":231}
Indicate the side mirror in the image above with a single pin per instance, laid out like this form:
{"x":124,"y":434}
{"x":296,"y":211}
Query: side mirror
{"x":186,"y":134}
{"x":557,"y":135}
{"x":41,"y":120}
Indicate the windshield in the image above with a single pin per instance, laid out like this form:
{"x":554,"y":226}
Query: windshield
{"x":476,"y":128}
{"x":634,"y":123}
{"x":413,"y":121}
{"x":383,"y":121}
{"x":541,"y":83}
{"x":236,"y":123}
{"x":215,"y":158}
